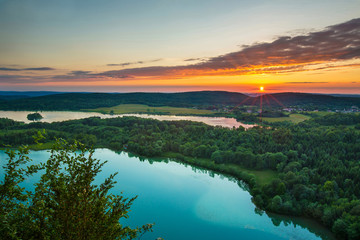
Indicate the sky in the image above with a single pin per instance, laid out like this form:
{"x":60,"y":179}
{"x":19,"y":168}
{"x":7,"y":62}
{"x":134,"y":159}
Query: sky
{"x":180,"y":45}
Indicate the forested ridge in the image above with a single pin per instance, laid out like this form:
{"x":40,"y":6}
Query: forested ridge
{"x":202,"y":99}
{"x":317,"y":161}
{"x":78,"y":101}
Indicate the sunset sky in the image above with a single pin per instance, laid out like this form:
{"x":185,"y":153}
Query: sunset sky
{"x":180,"y":45}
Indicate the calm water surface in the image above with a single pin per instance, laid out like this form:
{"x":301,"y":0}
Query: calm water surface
{"x":57,"y":116}
{"x":186,"y":202}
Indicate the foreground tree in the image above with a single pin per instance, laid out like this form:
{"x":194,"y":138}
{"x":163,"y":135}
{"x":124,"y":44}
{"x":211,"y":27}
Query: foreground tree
{"x":65,"y":204}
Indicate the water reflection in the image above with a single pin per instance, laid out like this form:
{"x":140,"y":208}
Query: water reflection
{"x":281,"y":221}
{"x":195,"y":169}
{"x":304,"y":223}
{"x":58,"y":116}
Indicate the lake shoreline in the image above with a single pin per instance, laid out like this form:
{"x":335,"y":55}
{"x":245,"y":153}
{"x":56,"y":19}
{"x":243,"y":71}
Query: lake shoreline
{"x":222,"y":168}
{"x":59,"y":116}
{"x":247,"y":176}
{"x":242,"y":176}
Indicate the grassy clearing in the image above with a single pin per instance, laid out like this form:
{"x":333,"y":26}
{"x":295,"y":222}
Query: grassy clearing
{"x":262,"y":177}
{"x":321,"y":113}
{"x":295,"y":118}
{"x":139,"y":108}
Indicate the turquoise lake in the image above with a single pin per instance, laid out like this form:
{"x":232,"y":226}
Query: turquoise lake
{"x":186,"y":202}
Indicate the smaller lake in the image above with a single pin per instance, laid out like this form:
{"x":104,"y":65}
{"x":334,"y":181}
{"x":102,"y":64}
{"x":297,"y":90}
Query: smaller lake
{"x":187,"y":202}
{"x":58,"y":116}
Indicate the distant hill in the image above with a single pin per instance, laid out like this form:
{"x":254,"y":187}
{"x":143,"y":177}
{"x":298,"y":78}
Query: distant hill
{"x":307,"y":100}
{"x":77,"y":101}
{"x":346,"y":95}
{"x":27,"y":93}
{"x":203,"y":99}
{"x":11,"y":95}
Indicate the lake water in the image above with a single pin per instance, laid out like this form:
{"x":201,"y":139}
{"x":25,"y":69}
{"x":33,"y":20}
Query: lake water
{"x":186,"y":202}
{"x":57,"y":116}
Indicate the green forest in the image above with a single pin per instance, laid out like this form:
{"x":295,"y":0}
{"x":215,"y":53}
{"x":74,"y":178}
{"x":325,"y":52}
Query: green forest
{"x":316,"y":163}
{"x":202,"y":99}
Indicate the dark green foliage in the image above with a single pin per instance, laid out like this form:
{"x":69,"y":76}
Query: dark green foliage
{"x":65,"y":204}
{"x":77,"y":101}
{"x":34,"y":116}
{"x":6,"y":123}
{"x":338,"y":119}
{"x":307,"y":101}
{"x":245,"y":117}
{"x":205,"y":99}
{"x":273,"y":114}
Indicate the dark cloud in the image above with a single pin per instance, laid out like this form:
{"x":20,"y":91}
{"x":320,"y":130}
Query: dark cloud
{"x":195,"y":59}
{"x":84,"y":76}
{"x":120,"y":64}
{"x":40,"y":69}
{"x":132,"y":63}
{"x":283,"y":55}
{"x":144,"y":71}
{"x":16,"y":79}
{"x":27,"y":69}
{"x":79,"y":72}
{"x":9,"y":76}
{"x":304,"y":82}
{"x":9,"y":69}
{"x":124,"y":76}
{"x":339,"y":42}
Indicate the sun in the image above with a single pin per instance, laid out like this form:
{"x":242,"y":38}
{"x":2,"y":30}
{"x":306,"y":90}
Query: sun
{"x":262,"y":89}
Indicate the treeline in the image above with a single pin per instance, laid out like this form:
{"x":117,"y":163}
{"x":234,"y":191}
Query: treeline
{"x":317,"y":161}
{"x":203,"y":99}
{"x":78,"y":101}
{"x":308,"y":101}
{"x":338,"y":119}
{"x":273,"y":114}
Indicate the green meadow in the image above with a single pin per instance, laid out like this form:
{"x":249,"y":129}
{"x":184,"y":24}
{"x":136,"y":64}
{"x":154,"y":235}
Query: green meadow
{"x":140,"y":108}
{"x":295,"y":118}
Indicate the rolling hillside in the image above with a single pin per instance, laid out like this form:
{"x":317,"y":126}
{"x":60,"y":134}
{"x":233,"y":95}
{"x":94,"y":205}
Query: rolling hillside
{"x":203,"y":99}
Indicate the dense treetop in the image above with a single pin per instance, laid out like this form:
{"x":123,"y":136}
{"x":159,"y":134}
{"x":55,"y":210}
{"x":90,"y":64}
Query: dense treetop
{"x":34,"y":116}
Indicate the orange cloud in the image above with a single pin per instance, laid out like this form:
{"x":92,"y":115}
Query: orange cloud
{"x":313,"y":51}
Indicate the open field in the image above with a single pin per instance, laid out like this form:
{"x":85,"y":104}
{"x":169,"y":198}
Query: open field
{"x":139,"y":108}
{"x":321,"y":113}
{"x":262,"y":177}
{"x":295,"y":118}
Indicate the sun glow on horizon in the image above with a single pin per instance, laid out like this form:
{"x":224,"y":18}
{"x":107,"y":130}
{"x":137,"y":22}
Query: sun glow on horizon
{"x":262,"y":89}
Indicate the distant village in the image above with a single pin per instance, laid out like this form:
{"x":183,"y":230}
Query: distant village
{"x":255,"y":109}
{"x":352,"y":109}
